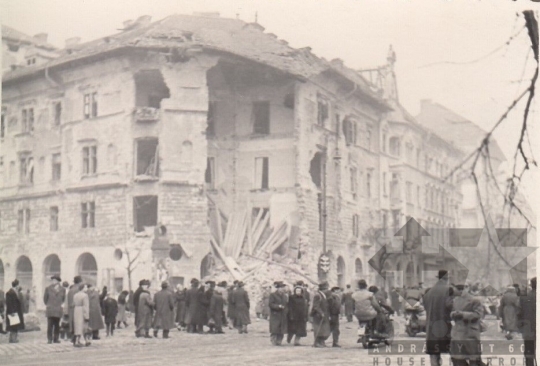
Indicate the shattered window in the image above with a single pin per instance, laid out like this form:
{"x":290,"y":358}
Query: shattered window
{"x":261,"y":173}
{"x":349,"y":131}
{"x":261,"y":118}
{"x":27,"y":118}
{"x":88,"y":211}
{"x":144,"y":212}
{"x":148,"y":157}
{"x":150,"y":88}
{"x":322,"y":112}
{"x":209,"y":176}
{"x":211,"y":119}
{"x":26,"y":169}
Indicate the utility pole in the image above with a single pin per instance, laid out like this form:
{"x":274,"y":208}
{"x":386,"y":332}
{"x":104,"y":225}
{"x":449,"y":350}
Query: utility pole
{"x":323,"y":173}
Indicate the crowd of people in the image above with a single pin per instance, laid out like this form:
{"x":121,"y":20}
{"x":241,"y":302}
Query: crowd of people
{"x":454,"y":313}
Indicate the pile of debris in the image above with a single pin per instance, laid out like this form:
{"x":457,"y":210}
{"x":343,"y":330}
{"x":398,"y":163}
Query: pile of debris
{"x":250,"y":250}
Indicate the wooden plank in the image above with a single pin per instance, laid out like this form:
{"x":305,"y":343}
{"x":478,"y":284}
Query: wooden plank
{"x":219,"y":227}
{"x":257,"y":222}
{"x":286,"y":266}
{"x":271,"y":238}
{"x":260,"y":230}
{"x":240,"y":237}
{"x":231,"y":265}
{"x":278,"y":238}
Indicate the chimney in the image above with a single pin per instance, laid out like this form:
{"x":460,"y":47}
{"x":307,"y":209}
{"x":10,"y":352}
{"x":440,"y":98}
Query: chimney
{"x":144,"y":20}
{"x":72,"y":42}
{"x":41,"y":37}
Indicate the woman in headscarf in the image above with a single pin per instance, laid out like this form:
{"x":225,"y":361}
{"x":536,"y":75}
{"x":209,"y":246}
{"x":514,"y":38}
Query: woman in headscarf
{"x":297,"y":316}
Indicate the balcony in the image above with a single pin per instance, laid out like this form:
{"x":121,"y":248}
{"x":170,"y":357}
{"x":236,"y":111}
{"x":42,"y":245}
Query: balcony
{"x":146,"y":114}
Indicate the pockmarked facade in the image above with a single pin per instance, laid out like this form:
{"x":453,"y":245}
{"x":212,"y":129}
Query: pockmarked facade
{"x":120,"y":156}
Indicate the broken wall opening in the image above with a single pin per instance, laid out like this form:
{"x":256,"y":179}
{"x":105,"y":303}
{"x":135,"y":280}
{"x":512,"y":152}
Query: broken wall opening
{"x":315,"y":169}
{"x":150,"y":88}
{"x":145,"y":212}
{"x":147,"y":156}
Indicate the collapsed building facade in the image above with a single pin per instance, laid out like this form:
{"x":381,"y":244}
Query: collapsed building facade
{"x":184,"y":144}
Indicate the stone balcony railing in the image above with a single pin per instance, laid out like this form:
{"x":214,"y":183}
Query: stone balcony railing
{"x":146,"y":114}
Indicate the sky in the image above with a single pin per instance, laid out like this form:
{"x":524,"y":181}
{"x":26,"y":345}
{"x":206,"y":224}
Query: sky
{"x":452,"y":52}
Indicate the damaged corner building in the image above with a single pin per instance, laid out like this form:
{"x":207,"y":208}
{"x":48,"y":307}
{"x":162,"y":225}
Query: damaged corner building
{"x":204,"y":147}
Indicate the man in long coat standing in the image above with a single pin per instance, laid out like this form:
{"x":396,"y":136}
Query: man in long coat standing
{"x":278,"y":313}
{"x":321,"y":316}
{"x":230,"y":306}
{"x":14,"y":308}
{"x":208,"y":293}
{"x":191,"y":306}
{"x":144,"y":310}
{"x":334,"y":308}
{"x":135,"y":297}
{"x":528,"y":323}
{"x":438,"y":305}
{"x":96,"y":320}
{"x":164,"y":305}
{"x":77,"y":280}
{"x":509,"y":310}
{"x":54,"y":299}
{"x":217,"y":303}
{"x":240,"y":300}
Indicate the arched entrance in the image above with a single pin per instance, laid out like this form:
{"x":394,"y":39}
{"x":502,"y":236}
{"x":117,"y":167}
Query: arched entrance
{"x":24,"y":272}
{"x":340,"y":272}
{"x":1,"y":275}
{"x":358,"y":269}
{"x":51,"y":266}
{"x":87,"y":268}
{"x":207,"y":265}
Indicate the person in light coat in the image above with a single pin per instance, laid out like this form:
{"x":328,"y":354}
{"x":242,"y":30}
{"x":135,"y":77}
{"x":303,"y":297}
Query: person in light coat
{"x":144,"y":311}
{"x":509,"y":310}
{"x":54,"y":299}
{"x":164,"y":305}
{"x":81,"y":316}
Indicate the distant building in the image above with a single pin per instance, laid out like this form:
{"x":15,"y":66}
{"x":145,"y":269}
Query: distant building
{"x":21,"y":50}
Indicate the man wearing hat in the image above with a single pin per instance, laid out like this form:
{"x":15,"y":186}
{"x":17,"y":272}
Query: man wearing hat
{"x":136,"y":297}
{"x":278,"y":313}
{"x":191,"y":306}
{"x":77,"y":280}
{"x":230,"y":306}
{"x":240,"y":299}
{"x":215,"y":314}
{"x":164,"y":305}
{"x":334,"y":308}
{"x":53,"y":298}
{"x":438,"y":305}
{"x":208,"y":294}
{"x":321,"y":316}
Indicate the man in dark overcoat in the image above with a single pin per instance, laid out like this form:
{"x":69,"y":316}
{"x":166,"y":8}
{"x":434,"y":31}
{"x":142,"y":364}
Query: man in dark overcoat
{"x":77,"y":280}
{"x":230,"y":306}
{"x":2,"y":309}
{"x":164,"y":315}
{"x":191,"y":306}
{"x":14,"y":308}
{"x":438,"y":305}
{"x":321,"y":316}
{"x":203,"y":303}
{"x":54,"y":299}
{"x":217,"y":304}
{"x":348,"y":304}
{"x":278,"y":313}
{"x":527,"y":323}
{"x":208,"y":293}
{"x":136,"y":296}
{"x":240,"y":299}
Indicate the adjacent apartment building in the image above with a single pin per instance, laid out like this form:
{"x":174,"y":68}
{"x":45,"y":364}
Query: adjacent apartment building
{"x":116,"y":156}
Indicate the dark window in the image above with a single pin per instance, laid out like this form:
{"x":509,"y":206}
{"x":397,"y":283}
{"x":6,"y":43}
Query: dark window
{"x":368,"y":185}
{"x":261,"y":118}
{"x":261,"y":173}
{"x":211,"y":119}
{"x":89,"y":160}
{"x":316,"y":169}
{"x":349,"y":131}
{"x":54,"y":218}
{"x":354,"y":181}
{"x":148,"y":157}
{"x":56,"y":167}
{"x":88,"y":210}
{"x":209,"y":175}
{"x":57,"y":113}
{"x":26,"y":169}
{"x":3,"y":124}
{"x":145,"y":210}
{"x":355,"y":225}
{"x":322,"y":112}
{"x":23,"y":221}
{"x":27,"y":120}
{"x":90,"y":105}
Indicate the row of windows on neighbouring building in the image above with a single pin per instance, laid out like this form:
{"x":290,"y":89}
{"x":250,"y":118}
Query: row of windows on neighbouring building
{"x":145,"y":213}
{"x":28,"y":115}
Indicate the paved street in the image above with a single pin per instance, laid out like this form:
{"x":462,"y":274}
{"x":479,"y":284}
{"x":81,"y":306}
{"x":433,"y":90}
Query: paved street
{"x":190,"y":349}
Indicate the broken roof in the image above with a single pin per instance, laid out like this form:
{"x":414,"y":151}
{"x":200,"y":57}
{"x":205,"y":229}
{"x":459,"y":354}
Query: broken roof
{"x":18,"y":37}
{"x":232,"y":36}
{"x":462,"y":132}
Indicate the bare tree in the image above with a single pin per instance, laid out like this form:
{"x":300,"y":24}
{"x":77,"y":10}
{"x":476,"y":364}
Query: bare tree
{"x":132,"y":250}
